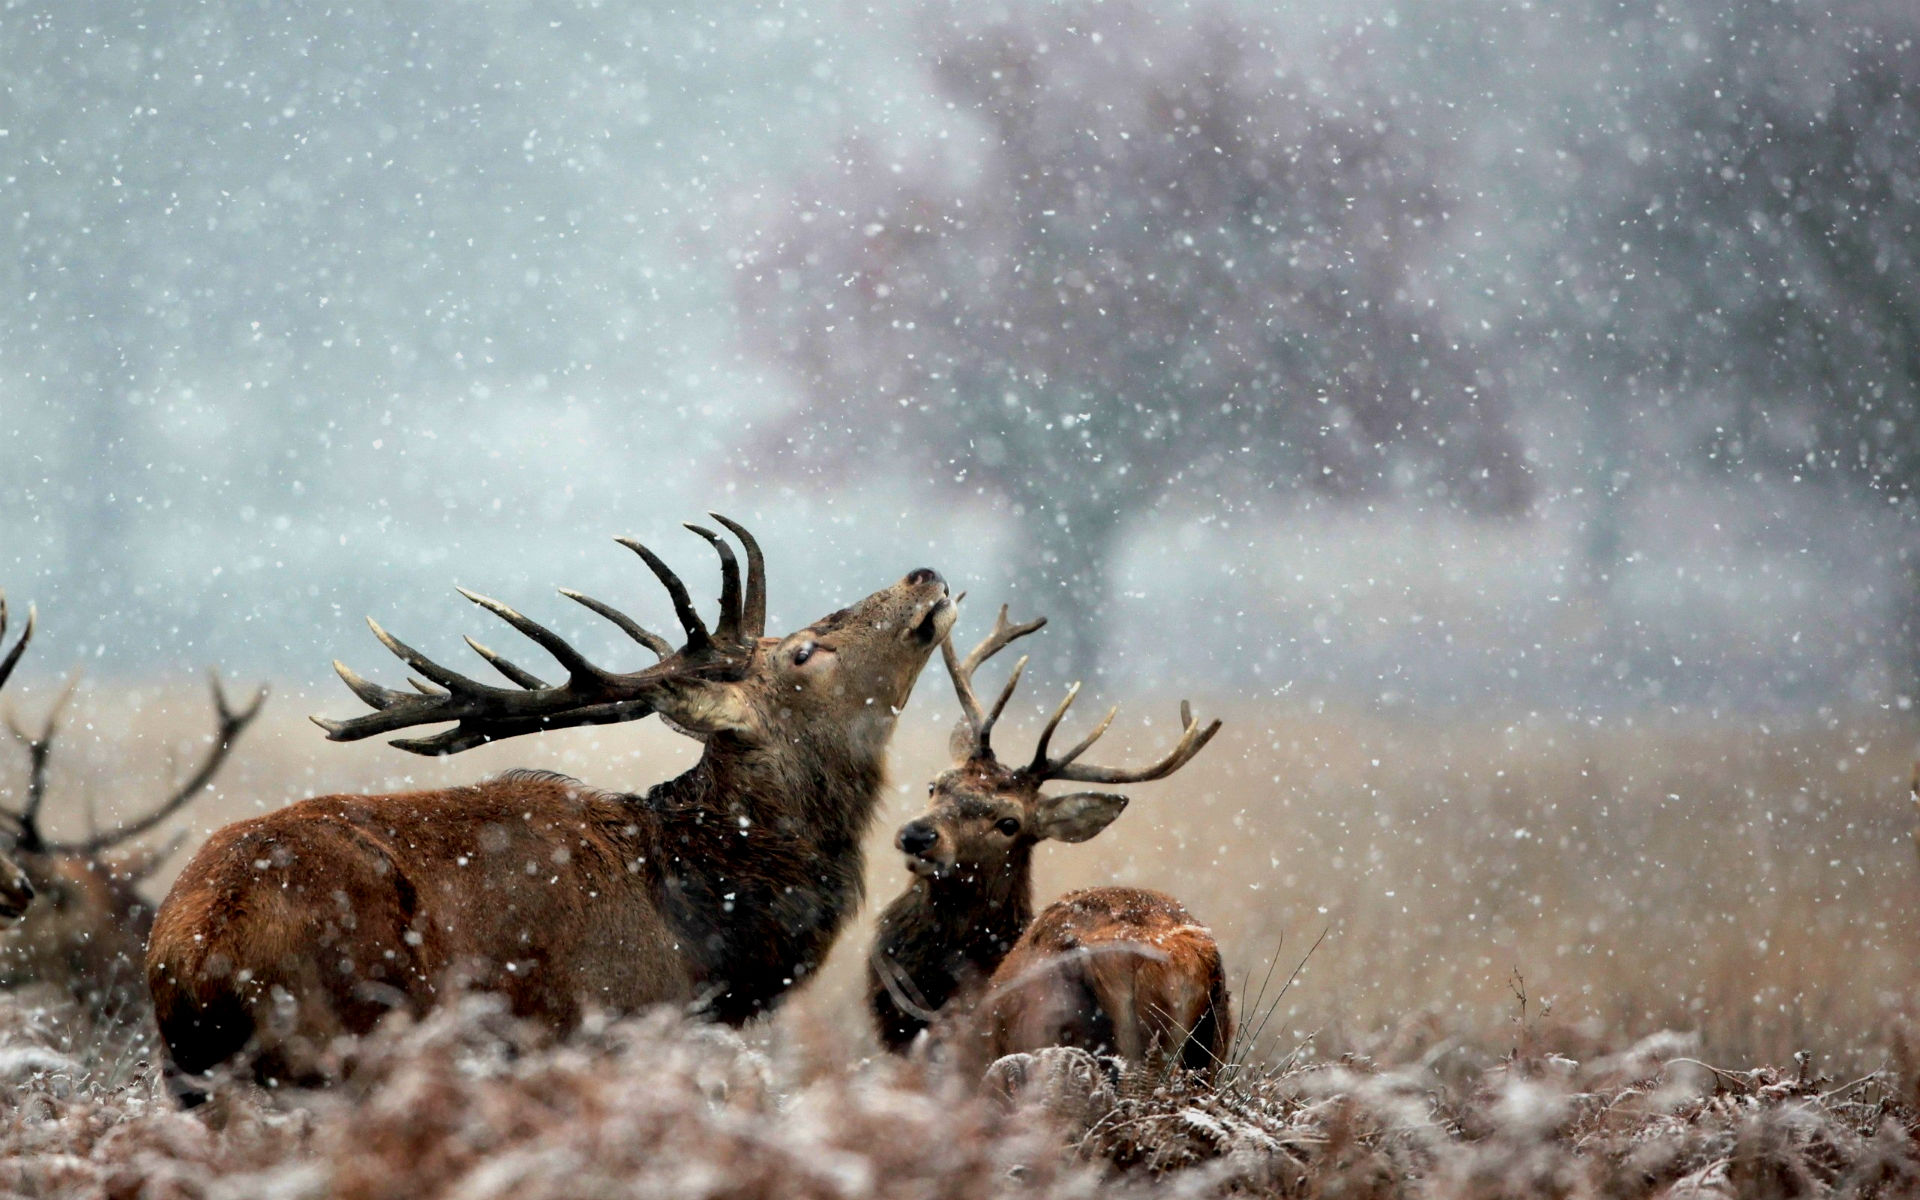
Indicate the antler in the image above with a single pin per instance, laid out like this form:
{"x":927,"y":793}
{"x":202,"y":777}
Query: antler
{"x":1193,"y":738}
{"x":591,"y":695}
{"x":13,"y":656}
{"x":37,"y":775}
{"x":976,"y":725}
{"x":39,"y":749}
{"x":231,"y":723}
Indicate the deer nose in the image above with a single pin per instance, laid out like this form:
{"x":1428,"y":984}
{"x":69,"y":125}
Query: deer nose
{"x":922,"y":575}
{"x":917,"y":837}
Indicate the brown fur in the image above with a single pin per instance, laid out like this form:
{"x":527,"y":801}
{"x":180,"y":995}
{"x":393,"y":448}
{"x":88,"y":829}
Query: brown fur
{"x":85,"y":932}
{"x":1118,"y":969}
{"x":717,"y":890}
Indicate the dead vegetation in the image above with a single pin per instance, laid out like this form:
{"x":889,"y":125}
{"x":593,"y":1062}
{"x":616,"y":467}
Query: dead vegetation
{"x":469,"y":1103}
{"x":1749,"y":885}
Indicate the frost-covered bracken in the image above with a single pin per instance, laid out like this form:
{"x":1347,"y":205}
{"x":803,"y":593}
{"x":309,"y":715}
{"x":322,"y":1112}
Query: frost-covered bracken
{"x":470,"y":1103}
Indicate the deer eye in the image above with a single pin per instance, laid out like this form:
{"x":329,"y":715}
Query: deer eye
{"x":1007,"y":825}
{"x":802,"y":653}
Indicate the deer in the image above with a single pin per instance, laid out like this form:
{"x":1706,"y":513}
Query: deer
{"x":78,"y":919}
{"x":716,"y":891}
{"x":960,"y":955}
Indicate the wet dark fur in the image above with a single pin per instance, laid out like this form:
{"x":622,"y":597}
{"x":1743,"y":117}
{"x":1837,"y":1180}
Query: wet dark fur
{"x":793,"y":870}
{"x":795,"y":873}
{"x":946,"y":942}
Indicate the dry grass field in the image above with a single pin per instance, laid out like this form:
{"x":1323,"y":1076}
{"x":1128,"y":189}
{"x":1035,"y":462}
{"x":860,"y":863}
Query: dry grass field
{"x":1554,"y":958}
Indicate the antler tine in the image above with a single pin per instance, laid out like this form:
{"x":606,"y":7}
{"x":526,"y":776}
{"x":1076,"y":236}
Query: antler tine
{"x":39,"y":752}
{"x":230,"y":723}
{"x":1003,"y":633}
{"x":696,"y":629}
{"x":728,"y":630}
{"x":1193,"y":739}
{"x":13,"y":656}
{"x":525,"y":678}
{"x":371,"y":694}
{"x":450,"y":679}
{"x":998,"y":638}
{"x":1046,"y":735}
{"x":1086,"y":743}
{"x":753,"y":611}
{"x":1000,"y":705}
{"x":579,"y":670}
{"x":628,"y":625}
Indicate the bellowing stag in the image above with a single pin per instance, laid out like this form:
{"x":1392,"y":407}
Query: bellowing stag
{"x":960,"y":952}
{"x":80,"y":922}
{"x":717,"y":890}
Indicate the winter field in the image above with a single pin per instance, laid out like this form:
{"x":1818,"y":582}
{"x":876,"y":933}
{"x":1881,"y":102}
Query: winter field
{"x":1558,"y":959}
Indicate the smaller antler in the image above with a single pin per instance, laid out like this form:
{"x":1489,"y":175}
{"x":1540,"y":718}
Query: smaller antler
{"x":1193,"y":738}
{"x":13,"y":656}
{"x":39,"y":749}
{"x":230,"y":723}
{"x":976,"y":724}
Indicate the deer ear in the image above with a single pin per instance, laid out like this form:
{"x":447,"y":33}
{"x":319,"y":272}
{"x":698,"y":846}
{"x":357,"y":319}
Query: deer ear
{"x":1076,"y":816}
{"x":702,"y":710}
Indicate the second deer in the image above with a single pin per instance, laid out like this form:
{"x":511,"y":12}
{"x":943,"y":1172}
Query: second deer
{"x":79,"y":922}
{"x":961,"y":953}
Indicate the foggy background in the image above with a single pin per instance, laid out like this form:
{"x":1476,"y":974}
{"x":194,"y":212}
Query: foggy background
{"x":1420,"y":357}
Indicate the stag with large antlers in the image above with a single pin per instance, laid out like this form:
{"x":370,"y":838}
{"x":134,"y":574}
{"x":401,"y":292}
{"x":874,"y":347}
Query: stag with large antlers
{"x":1118,"y":969}
{"x":85,"y":931}
{"x":716,"y":891}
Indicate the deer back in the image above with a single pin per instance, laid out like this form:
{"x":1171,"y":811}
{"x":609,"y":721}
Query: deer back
{"x":1114,"y":969}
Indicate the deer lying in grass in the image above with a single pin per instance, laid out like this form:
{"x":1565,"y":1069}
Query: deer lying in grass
{"x":717,"y":890}
{"x":85,"y":928}
{"x":1120,"y":969}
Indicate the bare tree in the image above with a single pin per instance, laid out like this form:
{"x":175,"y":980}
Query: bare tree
{"x":1748,"y":256}
{"x":1162,"y":260}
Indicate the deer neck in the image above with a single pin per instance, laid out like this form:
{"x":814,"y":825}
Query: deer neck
{"x":939,"y":942}
{"x":756,"y":860}
{"x":980,"y":913}
{"x":821,"y":787}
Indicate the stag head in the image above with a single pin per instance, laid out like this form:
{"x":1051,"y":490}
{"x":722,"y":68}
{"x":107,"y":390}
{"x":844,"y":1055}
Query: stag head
{"x":985,"y":815}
